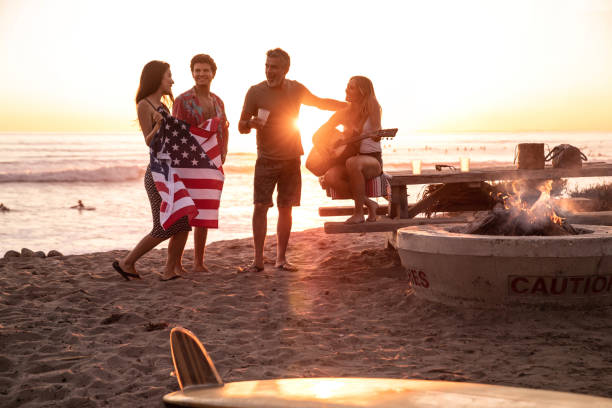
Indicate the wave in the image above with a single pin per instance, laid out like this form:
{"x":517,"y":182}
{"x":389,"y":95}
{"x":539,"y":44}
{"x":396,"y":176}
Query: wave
{"x":100,"y":174}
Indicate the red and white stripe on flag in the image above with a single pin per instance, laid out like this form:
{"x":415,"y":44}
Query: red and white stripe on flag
{"x":192,"y":191}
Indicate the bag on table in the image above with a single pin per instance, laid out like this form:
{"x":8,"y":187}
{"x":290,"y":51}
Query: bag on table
{"x":566,"y":156}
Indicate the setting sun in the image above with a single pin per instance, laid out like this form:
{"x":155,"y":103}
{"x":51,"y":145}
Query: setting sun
{"x":309,"y":122}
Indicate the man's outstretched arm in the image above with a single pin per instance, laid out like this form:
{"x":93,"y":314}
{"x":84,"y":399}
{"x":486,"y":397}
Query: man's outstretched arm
{"x":323,"y":103}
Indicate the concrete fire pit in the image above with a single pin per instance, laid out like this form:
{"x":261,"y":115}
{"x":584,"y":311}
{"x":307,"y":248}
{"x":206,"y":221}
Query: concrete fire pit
{"x":487,"y":270}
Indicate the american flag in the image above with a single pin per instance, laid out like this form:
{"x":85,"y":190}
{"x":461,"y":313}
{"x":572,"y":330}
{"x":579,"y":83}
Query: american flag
{"x":186,"y":168}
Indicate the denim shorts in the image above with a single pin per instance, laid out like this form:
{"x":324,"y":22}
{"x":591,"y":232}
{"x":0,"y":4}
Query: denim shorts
{"x":286,"y":174}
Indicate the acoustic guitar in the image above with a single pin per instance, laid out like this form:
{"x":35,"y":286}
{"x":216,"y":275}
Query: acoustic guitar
{"x":335,"y":147}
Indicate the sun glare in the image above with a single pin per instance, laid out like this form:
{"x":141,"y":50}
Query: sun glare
{"x":310,"y":120}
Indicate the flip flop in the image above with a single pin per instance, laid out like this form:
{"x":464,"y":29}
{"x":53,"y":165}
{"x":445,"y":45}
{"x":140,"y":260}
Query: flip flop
{"x":252,"y":268}
{"x":126,"y":275}
{"x":287,"y":267}
{"x":161,"y":278}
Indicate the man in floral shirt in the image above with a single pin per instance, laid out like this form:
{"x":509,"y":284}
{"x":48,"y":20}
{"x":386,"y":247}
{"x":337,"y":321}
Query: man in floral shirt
{"x":195,"y":106}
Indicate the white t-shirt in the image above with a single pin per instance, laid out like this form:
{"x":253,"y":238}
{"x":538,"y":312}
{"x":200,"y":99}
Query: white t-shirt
{"x":368,"y":145}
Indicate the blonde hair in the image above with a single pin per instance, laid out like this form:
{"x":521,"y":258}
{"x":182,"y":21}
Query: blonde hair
{"x":368,"y":106}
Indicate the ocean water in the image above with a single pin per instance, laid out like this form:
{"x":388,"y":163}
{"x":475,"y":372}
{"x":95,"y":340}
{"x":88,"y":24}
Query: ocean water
{"x":43,"y":174}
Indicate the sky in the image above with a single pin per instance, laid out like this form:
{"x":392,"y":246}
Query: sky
{"x":437,"y":66}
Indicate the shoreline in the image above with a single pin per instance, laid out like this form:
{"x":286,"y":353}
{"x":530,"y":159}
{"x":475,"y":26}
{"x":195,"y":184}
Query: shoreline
{"x":114,"y":227}
{"x":74,"y":333}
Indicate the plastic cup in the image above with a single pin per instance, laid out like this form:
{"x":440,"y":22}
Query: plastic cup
{"x":263,"y":114}
{"x":416,"y":167}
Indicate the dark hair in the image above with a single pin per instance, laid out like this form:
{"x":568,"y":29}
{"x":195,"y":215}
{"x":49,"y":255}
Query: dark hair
{"x":204,"y":59}
{"x":279,"y":53}
{"x":151,"y":78}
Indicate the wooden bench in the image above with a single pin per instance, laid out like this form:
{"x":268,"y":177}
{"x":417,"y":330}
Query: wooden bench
{"x":386,"y":224}
{"x":336,"y":211}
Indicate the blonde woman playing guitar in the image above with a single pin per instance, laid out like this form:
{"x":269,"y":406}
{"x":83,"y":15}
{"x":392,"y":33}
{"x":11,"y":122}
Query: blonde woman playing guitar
{"x":361,"y":116}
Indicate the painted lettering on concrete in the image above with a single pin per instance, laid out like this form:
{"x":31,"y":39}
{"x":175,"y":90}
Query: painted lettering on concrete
{"x":586,"y":285}
{"x":418,"y":277}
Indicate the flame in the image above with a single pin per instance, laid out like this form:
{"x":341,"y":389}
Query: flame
{"x":522,"y":202}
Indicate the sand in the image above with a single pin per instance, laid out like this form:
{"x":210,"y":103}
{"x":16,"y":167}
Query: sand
{"x":73,"y":333}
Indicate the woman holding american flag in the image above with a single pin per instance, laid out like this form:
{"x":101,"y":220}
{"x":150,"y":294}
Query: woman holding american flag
{"x":155,"y":88}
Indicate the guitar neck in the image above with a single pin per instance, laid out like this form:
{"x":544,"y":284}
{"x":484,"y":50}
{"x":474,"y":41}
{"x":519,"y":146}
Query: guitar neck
{"x":376,"y":133}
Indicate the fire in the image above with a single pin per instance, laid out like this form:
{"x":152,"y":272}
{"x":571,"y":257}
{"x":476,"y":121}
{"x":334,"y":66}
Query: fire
{"x":530,"y":202}
{"x":526,"y":210}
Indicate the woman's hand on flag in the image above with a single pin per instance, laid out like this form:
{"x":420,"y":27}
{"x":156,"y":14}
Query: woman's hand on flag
{"x":157,"y":117}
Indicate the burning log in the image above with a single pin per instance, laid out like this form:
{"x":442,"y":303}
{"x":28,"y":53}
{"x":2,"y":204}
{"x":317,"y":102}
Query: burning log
{"x":505,"y":222}
{"x":527,"y":210}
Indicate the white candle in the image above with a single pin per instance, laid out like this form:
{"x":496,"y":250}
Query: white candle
{"x":416,"y":167}
{"x":465,"y":163}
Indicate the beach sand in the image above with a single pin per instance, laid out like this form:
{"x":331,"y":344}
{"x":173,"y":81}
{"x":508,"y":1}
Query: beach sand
{"x":73,"y":333}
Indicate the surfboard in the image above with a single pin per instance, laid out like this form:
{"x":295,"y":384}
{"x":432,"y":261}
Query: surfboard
{"x":207,"y":390}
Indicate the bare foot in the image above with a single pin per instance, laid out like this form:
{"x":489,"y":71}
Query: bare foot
{"x":355,"y":219}
{"x":180,"y":271}
{"x":169,"y":276}
{"x":286,"y":266}
{"x":252,"y":268}
{"x":372,"y":208}
{"x":200,"y":268}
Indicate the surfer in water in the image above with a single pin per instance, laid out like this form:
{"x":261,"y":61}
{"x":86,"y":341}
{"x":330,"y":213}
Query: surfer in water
{"x":80,"y":206}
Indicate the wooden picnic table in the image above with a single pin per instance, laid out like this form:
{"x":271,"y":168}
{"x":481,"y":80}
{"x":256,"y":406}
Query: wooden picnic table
{"x":399,"y":208}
